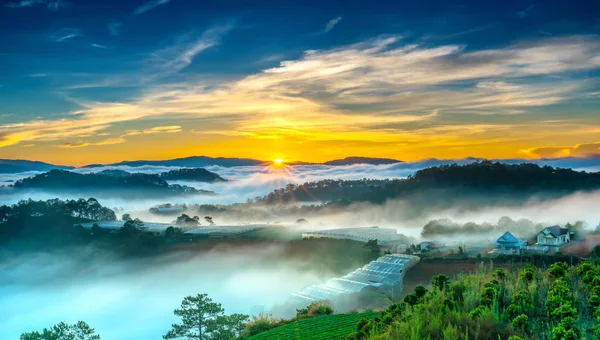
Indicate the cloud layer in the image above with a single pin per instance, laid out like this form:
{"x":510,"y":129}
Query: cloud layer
{"x":376,"y":91}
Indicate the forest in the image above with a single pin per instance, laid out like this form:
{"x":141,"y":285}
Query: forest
{"x":120,"y":182}
{"x":483,"y":177}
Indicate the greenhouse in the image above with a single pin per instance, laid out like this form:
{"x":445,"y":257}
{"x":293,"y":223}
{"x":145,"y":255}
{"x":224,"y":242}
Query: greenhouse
{"x":383,"y":276}
{"x":383,"y":236}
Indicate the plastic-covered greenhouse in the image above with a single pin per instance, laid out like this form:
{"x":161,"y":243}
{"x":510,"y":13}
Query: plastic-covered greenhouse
{"x":384,"y":275}
{"x":382,"y":235}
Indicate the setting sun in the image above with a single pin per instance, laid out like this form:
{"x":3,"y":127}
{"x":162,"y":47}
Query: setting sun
{"x":277,"y":161}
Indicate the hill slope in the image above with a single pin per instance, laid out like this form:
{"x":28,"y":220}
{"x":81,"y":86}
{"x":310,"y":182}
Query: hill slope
{"x":188,"y":162}
{"x":362,"y":160}
{"x":98,"y":183}
{"x":324,"y":327}
{"x":18,"y":165}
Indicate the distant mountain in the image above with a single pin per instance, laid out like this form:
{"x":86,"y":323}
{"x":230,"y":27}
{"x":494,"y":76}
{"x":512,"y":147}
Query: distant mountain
{"x":188,"y":162}
{"x":362,"y":160}
{"x":111,"y":182}
{"x":19,"y":165}
{"x":196,"y":174}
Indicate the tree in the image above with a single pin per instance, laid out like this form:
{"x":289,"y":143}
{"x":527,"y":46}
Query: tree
{"x":420,"y":291}
{"x":596,"y":252}
{"x":186,"y":220}
{"x":132,"y":228}
{"x":126,"y":217}
{"x":440,"y":281}
{"x":558,"y":270}
{"x":171,"y":232}
{"x":500,"y":273}
{"x":209,"y":220}
{"x":199,"y":318}
{"x":372,"y":246}
{"x":521,"y":322}
{"x":227,"y":327}
{"x":63,"y":331}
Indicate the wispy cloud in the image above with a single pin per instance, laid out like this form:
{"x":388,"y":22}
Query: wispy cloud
{"x":114,"y":28}
{"x":82,"y":144}
{"x":98,"y":46}
{"x":579,"y":150}
{"x":178,"y":56}
{"x":149,"y":5}
{"x":378,"y":90}
{"x":65,"y":34}
{"x":331,"y":24}
{"x":50,"y":4}
{"x":524,"y":13}
{"x":156,"y":129}
{"x":73,"y":145}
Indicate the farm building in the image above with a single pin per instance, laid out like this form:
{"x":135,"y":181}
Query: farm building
{"x":553,"y":236}
{"x":384,"y":236}
{"x":383,"y":276}
{"x":509,"y":244}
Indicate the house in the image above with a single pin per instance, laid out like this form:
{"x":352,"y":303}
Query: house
{"x":509,"y":244}
{"x":553,"y":236}
{"x":426,"y":246}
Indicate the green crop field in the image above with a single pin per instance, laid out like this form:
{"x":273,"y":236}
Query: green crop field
{"x":323,"y":327}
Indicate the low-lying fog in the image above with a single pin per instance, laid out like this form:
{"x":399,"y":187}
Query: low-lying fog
{"x":135,"y":299}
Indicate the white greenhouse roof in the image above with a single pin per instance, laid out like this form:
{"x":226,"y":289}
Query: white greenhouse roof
{"x":386,"y":272}
{"x":382,"y":235}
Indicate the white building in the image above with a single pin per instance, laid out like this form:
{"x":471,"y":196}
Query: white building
{"x":553,"y":236}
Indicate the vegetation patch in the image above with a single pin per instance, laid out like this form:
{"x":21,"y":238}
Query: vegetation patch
{"x":333,"y":326}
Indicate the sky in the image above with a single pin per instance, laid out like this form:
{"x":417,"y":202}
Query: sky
{"x":103,"y":81}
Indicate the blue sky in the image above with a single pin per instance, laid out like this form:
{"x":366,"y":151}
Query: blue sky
{"x":77,"y":75}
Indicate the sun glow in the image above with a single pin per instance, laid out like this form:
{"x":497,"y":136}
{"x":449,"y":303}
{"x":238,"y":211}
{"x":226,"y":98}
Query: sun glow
{"x":278,"y":162}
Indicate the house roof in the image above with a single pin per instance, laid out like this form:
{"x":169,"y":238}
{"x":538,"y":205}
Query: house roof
{"x":509,"y":239}
{"x":555,"y":231}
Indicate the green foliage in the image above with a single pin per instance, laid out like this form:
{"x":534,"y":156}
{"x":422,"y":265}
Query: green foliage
{"x":63,"y":331}
{"x":500,"y":273}
{"x":564,"y":311}
{"x":260,"y":323}
{"x":521,"y":322}
{"x":333,"y":326}
{"x":558,"y":270}
{"x":315,"y":309}
{"x":440,"y":281}
{"x":420,"y":291}
{"x":527,"y":273}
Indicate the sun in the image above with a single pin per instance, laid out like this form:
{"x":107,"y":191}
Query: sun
{"x":278,"y":161}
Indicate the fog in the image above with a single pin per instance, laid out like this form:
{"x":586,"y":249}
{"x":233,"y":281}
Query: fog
{"x":135,"y":299}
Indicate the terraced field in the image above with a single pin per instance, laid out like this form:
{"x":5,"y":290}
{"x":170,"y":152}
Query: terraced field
{"x":320,"y":328}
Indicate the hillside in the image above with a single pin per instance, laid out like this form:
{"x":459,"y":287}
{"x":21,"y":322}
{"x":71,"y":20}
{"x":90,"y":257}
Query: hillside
{"x":188,"y":162}
{"x":195,"y":174}
{"x":98,"y":183}
{"x":325,"y":327}
{"x":560,"y":302}
{"x":362,"y":160}
{"x":471,"y":182}
{"x":17,"y":165}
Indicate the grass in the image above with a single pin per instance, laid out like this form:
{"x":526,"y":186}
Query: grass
{"x":332,"y":327}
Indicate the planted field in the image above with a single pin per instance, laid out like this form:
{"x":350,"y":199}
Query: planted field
{"x":323,"y":327}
